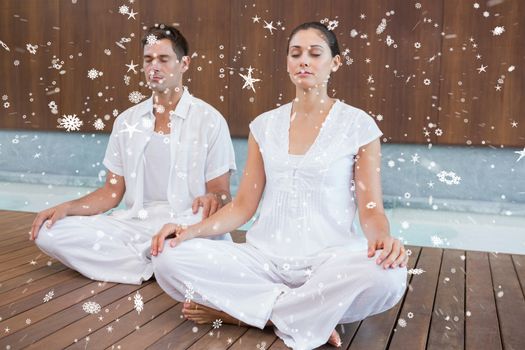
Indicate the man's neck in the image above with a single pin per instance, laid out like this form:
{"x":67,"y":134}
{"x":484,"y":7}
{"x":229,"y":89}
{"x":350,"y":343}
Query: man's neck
{"x":168,"y":99}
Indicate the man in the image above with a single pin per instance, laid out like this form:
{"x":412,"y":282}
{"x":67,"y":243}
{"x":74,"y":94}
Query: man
{"x":169,"y":157}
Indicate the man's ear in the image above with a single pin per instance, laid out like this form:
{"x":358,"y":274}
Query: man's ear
{"x":185,"y":63}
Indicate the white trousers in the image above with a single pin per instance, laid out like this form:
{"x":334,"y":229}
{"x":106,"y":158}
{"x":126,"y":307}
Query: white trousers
{"x":305,"y":299}
{"x":107,"y":248}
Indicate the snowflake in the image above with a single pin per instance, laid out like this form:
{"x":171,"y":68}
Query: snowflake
{"x":70,"y":122}
{"x":381,"y":27}
{"x":99,"y":124}
{"x":142,"y":214}
{"x":402,"y":323}
{"x":417,"y":5}
{"x":139,"y":304}
{"x":115,"y":112}
{"x":151,"y":39}
{"x":188,"y":294}
{"x":52,"y":105}
{"x":217,"y":323}
{"x":123,"y":10}
{"x":389,"y":41}
{"x":127,"y":79}
{"x":28,"y":321}
{"x":353,"y":33}
{"x":261,"y":345}
{"x":135,"y":97}
{"x":436,"y":240}
{"x":410,"y":315}
{"x":449,"y":177}
{"x":6,"y":104}
{"x":438,"y":132}
{"x":426,"y":81}
{"x":49,"y":296}
{"x":415,"y":271}
{"x":417,"y":45}
{"x":5,"y":98}
{"x":371,"y":205}
{"x":332,"y":25}
{"x":93,"y":74}
{"x":91,"y":307}
{"x":31,"y":48}
{"x":498,"y":30}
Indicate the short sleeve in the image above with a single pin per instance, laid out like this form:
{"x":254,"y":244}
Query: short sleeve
{"x":257,"y":130}
{"x":368,"y":130}
{"x":113,"y":158}
{"x":221,"y":156}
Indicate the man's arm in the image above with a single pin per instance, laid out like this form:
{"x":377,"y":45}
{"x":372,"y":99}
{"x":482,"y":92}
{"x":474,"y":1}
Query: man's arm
{"x":217,"y":195}
{"x":97,"y":202}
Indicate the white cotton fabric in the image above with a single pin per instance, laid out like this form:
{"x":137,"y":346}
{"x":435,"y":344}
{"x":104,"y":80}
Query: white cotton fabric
{"x":156,"y":169}
{"x":162,"y":179}
{"x":303,"y":266}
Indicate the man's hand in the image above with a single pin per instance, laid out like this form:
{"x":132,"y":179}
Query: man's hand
{"x":393,"y":254}
{"x":178,"y":234}
{"x":210,"y":203}
{"x":52,"y":215}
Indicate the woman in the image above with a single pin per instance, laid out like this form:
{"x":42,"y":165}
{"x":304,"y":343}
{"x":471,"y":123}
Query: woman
{"x":303,"y":268}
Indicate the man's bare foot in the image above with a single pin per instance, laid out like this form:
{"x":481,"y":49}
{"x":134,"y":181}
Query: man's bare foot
{"x":202,"y":314}
{"x":335,"y":339}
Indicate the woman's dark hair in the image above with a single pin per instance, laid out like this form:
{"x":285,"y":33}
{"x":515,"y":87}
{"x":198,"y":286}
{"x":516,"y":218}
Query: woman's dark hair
{"x":328,"y":35}
{"x":164,"y":31}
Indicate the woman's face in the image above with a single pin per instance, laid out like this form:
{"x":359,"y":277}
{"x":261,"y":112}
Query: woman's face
{"x":310,"y":60}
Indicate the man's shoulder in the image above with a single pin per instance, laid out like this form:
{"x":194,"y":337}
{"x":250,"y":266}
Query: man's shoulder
{"x":205,"y":110}
{"x":134,"y":112}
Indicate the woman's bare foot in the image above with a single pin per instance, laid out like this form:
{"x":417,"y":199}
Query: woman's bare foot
{"x":335,"y":339}
{"x":202,"y":314}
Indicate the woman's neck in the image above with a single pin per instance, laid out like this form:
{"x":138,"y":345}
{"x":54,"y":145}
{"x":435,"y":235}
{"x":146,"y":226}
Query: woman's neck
{"x":312,"y":101}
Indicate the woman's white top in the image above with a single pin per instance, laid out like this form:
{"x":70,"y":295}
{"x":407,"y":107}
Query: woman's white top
{"x":308,"y":203}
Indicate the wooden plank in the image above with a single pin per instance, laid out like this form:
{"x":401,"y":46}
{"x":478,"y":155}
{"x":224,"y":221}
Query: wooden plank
{"x":33,"y":275}
{"x":519,"y":265}
{"x":182,"y":337}
{"x":510,"y":302}
{"x":481,"y":322}
{"x":107,"y":330}
{"x":26,"y":251}
{"x":44,"y":260}
{"x":255,"y":338}
{"x":375,"y":331}
{"x":14,"y":246}
{"x":447,"y":330}
{"x":219,"y":339}
{"x":32,"y":287}
{"x":152,"y":331}
{"x":418,"y":303}
{"x":33,"y":257}
{"x":346,"y":332}
{"x":65,"y":310}
{"x":37,"y":299}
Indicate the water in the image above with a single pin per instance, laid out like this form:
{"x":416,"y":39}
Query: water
{"x":420,"y":227}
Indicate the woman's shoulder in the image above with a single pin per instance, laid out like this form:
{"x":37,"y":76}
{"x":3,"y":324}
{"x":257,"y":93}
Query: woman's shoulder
{"x":279,"y":113}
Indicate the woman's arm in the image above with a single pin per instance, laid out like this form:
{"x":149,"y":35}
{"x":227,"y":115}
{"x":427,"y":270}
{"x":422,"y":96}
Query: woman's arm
{"x":232,"y":215}
{"x":371,"y":212}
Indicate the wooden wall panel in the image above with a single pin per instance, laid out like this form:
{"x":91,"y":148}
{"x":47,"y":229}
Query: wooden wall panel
{"x":225,"y":41}
{"x":27,"y":79}
{"x":255,"y":46}
{"x":473,"y":111}
{"x":87,"y":30}
{"x":206,"y":26}
{"x":389,"y":80}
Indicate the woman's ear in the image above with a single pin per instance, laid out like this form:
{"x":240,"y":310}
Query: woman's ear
{"x":336,"y":63}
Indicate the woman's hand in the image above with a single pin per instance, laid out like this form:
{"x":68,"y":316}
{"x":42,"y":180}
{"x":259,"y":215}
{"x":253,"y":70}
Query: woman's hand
{"x":176,"y":232}
{"x":393,"y":255}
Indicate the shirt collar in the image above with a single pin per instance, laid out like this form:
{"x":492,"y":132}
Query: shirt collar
{"x":181,"y":111}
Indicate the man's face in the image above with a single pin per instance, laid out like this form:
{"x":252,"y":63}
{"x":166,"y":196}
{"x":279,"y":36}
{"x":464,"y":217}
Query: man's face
{"x":162,"y":67}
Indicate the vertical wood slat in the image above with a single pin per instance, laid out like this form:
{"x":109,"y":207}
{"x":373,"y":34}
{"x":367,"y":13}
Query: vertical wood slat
{"x":510,"y":302}
{"x":419,"y":301}
{"x":447,"y":325}
{"x":481,"y":327}
{"x":519,"y":265}
{"x":375,"y":331}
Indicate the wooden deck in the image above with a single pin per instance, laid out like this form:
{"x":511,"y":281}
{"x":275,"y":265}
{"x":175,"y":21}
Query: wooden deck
{"x":463,"y":299}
